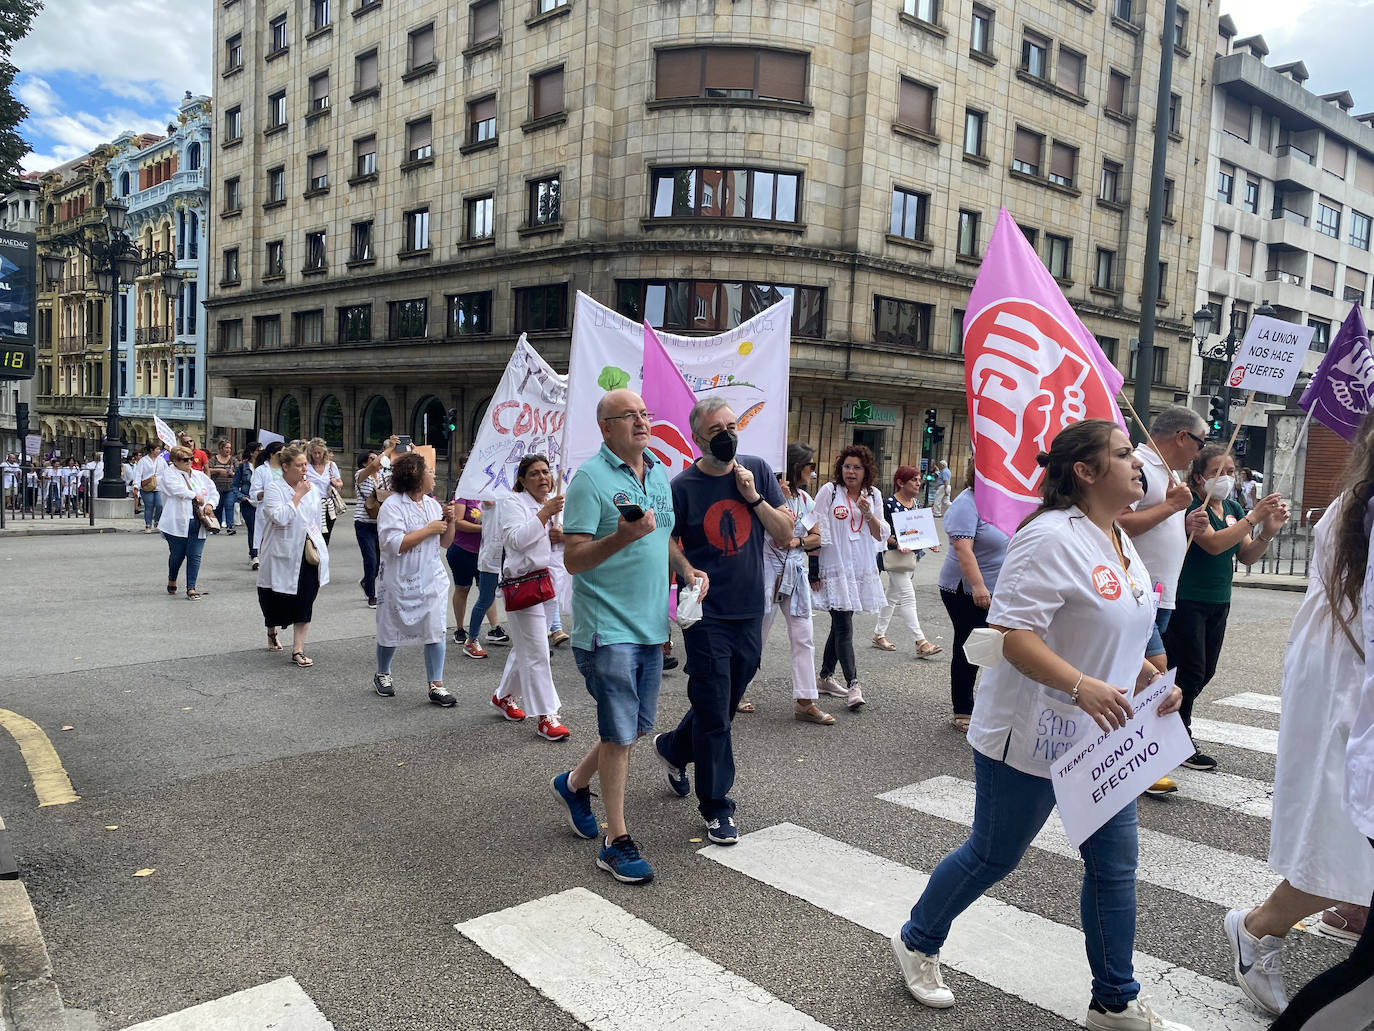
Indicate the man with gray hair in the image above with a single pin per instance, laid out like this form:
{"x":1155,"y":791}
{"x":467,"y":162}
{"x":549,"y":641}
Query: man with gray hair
{"x":1155,"y":525}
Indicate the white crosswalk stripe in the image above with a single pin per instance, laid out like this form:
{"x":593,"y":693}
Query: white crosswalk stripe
{"x":614,"y":972}
{"x":1238,"y":735}
{"x":281,"y":1005}
{"x":1226,"y":791}
{"x":1253,"y":700}
{"x":1015,"y":951}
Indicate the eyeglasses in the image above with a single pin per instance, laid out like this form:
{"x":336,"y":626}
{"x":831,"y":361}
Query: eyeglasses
{"x":632,"y":416}
{"x":1196,"y":439}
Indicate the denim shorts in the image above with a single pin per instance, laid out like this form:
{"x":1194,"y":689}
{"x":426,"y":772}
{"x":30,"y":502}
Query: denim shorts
{"x":1156,"y":645}
{"x":624,"y":680}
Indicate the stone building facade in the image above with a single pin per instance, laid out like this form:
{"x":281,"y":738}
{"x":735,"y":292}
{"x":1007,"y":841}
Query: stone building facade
{"x":18,"y":214}
{"x":403,"y":188}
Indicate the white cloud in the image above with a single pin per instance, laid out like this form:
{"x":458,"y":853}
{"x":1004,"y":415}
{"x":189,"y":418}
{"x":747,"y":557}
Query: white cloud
{"x":1330,"y":37}
{"x":69,"y":135}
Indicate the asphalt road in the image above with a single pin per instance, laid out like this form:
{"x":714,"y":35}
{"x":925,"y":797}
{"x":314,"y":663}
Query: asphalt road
{"x":300,"y":825}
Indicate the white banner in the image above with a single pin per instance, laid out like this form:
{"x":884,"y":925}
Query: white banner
{"x":164,"y":432}
{"x":748,"y":366}
{"x":1271,"y":357}
{"x":237,"y":412}
{"x":525,"y":417}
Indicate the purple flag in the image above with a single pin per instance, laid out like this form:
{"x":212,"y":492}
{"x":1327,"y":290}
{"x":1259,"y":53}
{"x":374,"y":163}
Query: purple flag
{"x":1339,"y":395}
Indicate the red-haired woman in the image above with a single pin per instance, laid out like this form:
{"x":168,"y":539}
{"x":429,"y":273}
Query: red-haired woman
{"x":900,"y":563}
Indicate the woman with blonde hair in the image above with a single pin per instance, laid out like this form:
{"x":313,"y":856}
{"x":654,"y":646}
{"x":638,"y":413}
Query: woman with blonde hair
{"x":324,"y":476}
{"x":293,"y":555}
{"x":184,"y":491}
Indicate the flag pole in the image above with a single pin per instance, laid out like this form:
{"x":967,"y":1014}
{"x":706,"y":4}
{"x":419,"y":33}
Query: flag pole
{"x":1229,"y":444}
{"x":1145,"y":432}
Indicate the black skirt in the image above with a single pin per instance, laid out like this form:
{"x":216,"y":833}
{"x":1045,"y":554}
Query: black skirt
{"x":284,"y":610}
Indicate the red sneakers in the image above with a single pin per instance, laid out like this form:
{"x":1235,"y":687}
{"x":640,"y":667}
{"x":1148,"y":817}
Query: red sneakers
{"x":508,"y":708}
{"x":551,"y":730}
{"x":473,"y":650}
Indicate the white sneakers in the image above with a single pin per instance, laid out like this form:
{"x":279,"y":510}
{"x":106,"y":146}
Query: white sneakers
{"x":1137,"y":1016}
{"x":1257,"y":964}
{"x":922,"y":976}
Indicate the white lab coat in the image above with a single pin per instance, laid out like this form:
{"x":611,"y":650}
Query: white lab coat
{"x":177,"y":491}
{"x":527,"y":674}
{"x":1359,"y":752}
{"x":283,"y":525}
{"x":263,"y":477}
{"x":412,"y":588}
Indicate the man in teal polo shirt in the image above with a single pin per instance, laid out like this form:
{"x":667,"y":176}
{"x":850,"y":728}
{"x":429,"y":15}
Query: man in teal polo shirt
{"x":620,"y":570}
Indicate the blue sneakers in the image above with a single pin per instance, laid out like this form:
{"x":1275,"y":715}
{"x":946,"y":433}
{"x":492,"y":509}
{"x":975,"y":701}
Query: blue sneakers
{"x":722,"y":830}
{"x":580,"y":816}
{"x":621,"y":859}
{"x":677,"y":775}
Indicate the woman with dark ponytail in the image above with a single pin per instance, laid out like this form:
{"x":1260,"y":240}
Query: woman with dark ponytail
{"x":1074,"y":607}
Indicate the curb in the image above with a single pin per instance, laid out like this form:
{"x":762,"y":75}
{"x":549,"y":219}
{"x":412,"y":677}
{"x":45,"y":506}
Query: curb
{"x":29,"y":999}
{"x":1297,"y":584}
{"x":54,"y":531}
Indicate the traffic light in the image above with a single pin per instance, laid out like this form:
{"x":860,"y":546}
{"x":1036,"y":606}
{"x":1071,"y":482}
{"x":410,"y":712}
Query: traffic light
{"x":928,"y":435}
{"x":939,"y":435}
{"x":21,"y":418}
{"x":1216,"y":416}
{"x":451,"y":422}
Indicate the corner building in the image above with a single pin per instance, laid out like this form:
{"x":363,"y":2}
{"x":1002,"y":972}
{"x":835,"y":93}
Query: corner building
{"x":403,"y":188}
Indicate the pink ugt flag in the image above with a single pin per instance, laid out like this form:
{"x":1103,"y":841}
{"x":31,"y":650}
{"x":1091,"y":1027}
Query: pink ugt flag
{"x":668,"y":396}
{"x":1030,"y":368}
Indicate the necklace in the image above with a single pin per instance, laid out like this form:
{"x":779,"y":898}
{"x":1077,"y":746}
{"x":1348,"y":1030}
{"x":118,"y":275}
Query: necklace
{"x":1136,"y":592}
{"x":855,"y":511}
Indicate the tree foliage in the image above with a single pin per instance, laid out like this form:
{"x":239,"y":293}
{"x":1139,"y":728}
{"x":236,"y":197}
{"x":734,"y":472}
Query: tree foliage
{"x":16,"y":17}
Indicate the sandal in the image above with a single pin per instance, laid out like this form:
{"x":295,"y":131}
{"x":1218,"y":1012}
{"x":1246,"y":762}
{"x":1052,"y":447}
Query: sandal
{"x":299,"y":659}
{"x":883,"y":644}
{"x":273,"y":645}
{"x":813,"y":713}
{"x":961,"y":723}
{"x":194,"y":595}
{"x":745,"y":707}
{"x":171,"y":587}
{"x":924,"y":649}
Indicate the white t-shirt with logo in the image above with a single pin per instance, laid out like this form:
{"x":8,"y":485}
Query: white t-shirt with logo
{"x":1163,"y":546}
{"x":1062,"y":580}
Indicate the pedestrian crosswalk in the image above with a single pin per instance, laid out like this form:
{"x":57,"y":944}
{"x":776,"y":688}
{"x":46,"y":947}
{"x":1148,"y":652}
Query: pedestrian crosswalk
{"x":1238,"y":735}
{"x":1252,"y":700}
{"x":280,"y":1005}
{"x":1226,"y":791}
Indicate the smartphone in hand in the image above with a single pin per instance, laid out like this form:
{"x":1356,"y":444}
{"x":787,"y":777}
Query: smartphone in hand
{"x":632,"y":513}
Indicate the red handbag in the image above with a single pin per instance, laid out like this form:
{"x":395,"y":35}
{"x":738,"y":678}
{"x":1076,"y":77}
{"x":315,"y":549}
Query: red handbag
{"x":525,"y":592}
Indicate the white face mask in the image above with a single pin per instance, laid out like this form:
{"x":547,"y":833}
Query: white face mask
{"x":1219,"y":487}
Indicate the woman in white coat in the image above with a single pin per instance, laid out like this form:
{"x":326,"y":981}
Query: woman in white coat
{"x":182,"y":490}
{"x":522,"y":520}
{"x":294,"y":558}
{"x":267,"y":468}
{"x":323,"y":475}
{"x":413,"y":531}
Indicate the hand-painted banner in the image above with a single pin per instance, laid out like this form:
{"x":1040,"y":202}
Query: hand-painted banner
{"x":525,"y":417}
{"x":748,"y":366}
{"x":1030,"y":368}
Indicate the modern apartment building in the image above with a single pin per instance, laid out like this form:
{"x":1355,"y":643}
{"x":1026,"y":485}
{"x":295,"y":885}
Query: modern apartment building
{"x":18,"y":214}
{"x":1287,"y":215}
{"x":401,"y":189}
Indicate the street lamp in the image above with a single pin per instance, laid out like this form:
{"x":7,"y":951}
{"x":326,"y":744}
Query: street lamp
{"x":1225,"y":349}
{"x":115,"y":261}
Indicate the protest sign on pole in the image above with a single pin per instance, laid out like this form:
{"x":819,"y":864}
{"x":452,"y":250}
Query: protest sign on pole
{"x":1339,"y":395}
{"x":1106,"y":772}
{"x":236,"y":412}
{"x":1270,"y":356}
{"x":164,"y":432}
{"x":266,"y":437}
{"x":748,"y":366}
{"x":915,"y":529}
{"x":525,"y":417}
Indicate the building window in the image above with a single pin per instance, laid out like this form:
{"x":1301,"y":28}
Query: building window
{"x":1121,"y":9}
{"x":1245,"y":261}
{"x":417,"y":230}
{"x":230,"y":264}
{"x":1328,"y":218}
{"x":355,"y":324}
{"x":1103,"y":271}
{"x":916,"y":106}
{"x":266,"y":332}
{"x":330,"y":424}
{"x":482,"y":120}
{"x":231,"y":335}
{"x":276,"y":260}
{"x":469,"y":315}
{"x":477,"y":219}
{"x":956,"y":331}
{"x":1359,"y":230}
{"x":1160,"y":370}
{"x":1057,"y":252}
{"x":419,"y":139}
{"x":696,"y":305}
{"x":1175,"y":101}
{"x":1035,"y":54}
{"x":318,"y":171}
{"x":980,"y":31}
{"x":1068,"y":74}
{"x":420,"y":49}
{"x":903,"y":323}
{"x":545,"y":202}
{"x":968,"y":234}
{"x":360,"y":242}
{"x":316,"y":257}
{"x":365,"y":78}
{"x":1163,"y":281}
{"x":319,"y":92}
{"x":320,"y":15}
{"x":276,"y":110}
{"x":365,"y":156}
{"x":545,"y":6}
{"x":1063,"y":164}
{"x":1180,"y":28}
{"x":1226,"y":182}
{"x":1221,"y":246}
{"x":730,"y":73}
{"x":541,"y":308}
{"x":1027,"y":151}
{"x":725,"y":193}
{"x":975,"y":124}
{"x":233,"y":124}
{"x":1251,"y":203}
{"x":925,"y":10}
{"x":276,"y":185}
{"x":233,"y":52}
{"x":1168,"y":198}
{"x":309,"y":328}
{"x":276,"y":31}
{"x":233,"y":195}
{"x":546,"y":93}
{"x":909,"y":214}
{"x":1321,"y":338}
{"x":484,"y":23}
{"x":409,"y":319}
{"x":1118,"y":87}
{"x":1111,"y":182}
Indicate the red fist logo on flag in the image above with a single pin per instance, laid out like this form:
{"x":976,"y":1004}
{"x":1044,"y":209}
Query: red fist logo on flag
{"x":670,"y":447}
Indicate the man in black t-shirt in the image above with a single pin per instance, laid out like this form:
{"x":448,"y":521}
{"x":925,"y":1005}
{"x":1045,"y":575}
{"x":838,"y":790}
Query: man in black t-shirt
{"x":723,"y":505}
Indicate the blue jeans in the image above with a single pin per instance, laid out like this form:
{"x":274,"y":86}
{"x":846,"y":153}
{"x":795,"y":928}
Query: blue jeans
{"x":152,"y":507}
{"x":250,"y":519}
{"x":224,"y":511}
{"x":1009,"y":810}
{"x":624,"y":680}
{"x":186,"y":549}
{"x":486,"y":594}
{"x":1156,"y":643}
{"x":434,"y":660}
{"x":722,"y":657}
{"x":367,"y":544}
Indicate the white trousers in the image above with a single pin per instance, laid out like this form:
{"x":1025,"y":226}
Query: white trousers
{"x":528,"y":675}
{"x":901,"y":597}
{"x":802,"y":638}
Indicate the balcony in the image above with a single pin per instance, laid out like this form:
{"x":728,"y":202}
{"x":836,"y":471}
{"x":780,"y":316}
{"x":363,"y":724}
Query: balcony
{"x":1292,"y":150}
{"x":187,"y":409}
{"x":94,"y":405}
{"x":76,"y":284}
{"x":153,"y":335}
{"x":1287,"y":290}
{"x":80,"y":343}
{"x":1289,"y":215}
{"x":1278,"y":275}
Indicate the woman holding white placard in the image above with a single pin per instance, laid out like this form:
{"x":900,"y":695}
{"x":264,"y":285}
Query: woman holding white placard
{"x":1074,"y":608}
{"x":899,"y":562}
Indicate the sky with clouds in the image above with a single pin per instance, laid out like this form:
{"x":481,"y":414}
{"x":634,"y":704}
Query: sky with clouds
{"x":92,"y":68}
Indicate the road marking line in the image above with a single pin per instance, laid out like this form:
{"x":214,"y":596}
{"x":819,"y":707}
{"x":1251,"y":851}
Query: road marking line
{"x":1184,"y":866}
{"x":281,"y":1005}
{"x":1253,"y":700}
{"x":1017,"y":952}
{"x":614,"y":972}
{"x":1238,"y":735}
{"x":1226,"y":791}
{"x":50,"y":781}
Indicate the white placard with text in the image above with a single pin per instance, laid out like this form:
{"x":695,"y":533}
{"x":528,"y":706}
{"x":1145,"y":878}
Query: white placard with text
{"x":1271,"y":355}
{"x":915,"y":529}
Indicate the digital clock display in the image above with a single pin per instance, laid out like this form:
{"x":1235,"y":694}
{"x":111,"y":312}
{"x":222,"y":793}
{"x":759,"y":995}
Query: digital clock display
{"x":17,"y":361}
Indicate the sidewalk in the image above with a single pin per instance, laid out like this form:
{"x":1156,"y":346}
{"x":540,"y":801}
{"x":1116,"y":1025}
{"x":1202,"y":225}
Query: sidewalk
{"x":67,"y":527}
{"x":1270,"y":581}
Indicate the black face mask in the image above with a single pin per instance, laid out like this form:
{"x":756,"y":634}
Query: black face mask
{"x":724,"y":445}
